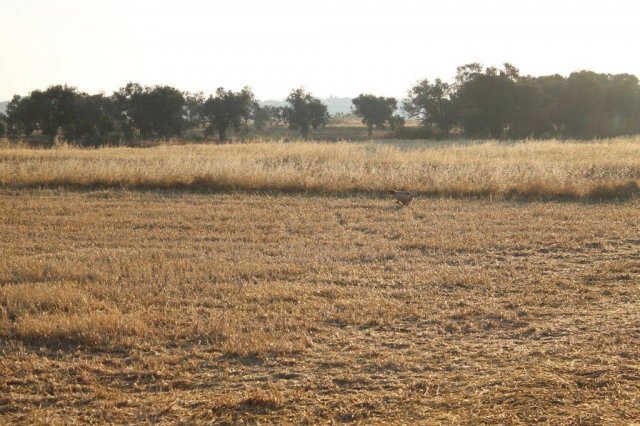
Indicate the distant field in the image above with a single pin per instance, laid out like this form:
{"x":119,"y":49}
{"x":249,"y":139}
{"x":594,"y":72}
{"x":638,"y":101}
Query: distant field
{"x":164,"y":306}
{"x":602,"y":170}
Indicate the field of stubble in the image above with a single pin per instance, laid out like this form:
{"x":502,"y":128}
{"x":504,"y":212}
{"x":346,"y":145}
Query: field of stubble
{"x":177,"y":307}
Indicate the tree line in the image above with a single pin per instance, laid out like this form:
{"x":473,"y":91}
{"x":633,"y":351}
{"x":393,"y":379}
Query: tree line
{"x":480,"y":103}
{"x":501,"y":103}
{"x":154,"y":112}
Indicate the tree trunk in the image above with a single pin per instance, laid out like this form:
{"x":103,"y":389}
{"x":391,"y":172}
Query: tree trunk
{"x":370,"y":130}
{"x":222,"y":133}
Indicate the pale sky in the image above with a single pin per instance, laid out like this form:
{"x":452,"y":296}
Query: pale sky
{"x":331,"y":47}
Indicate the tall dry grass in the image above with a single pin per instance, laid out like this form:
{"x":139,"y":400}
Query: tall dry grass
{"x":532,"y":169}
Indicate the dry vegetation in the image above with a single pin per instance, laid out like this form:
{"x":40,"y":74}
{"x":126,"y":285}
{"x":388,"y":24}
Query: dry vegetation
{"x":162,"y":306}
{"x":524,"y":170}
{"x":280,"y":302}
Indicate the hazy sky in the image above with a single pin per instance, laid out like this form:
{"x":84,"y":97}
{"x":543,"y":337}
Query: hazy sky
{"x":330,"y":47}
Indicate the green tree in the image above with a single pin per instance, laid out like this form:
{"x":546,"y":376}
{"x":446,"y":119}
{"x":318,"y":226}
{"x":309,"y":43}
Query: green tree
{"x":304,"y":112}
{"x":97,"y":121}
{"x":537,"y":107}
{"x":59,"y":106}
{"x":374,"y":110}
{"x":154,"y":111}
{"x":264,"y":116}
{"x":3,"y":125}
{"x":194,"y":109}
{"x":622,"y":101}
{"x":581,"y":106}
{"x":45,"y":112}
{"x":396,"y":122}
{"x":89,"y":120}
{"x":432,"y":104}
{"x":18,"y":121}
{"x":485,"y":102}
{"x":228,"y":109}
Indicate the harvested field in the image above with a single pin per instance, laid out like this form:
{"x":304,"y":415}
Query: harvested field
{"x":163,"y":306}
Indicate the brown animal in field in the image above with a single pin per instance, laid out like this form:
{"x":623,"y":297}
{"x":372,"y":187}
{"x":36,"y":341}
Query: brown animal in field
{"x":402,"y":197}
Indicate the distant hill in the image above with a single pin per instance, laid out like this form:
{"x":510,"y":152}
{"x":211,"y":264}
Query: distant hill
{"x":3,"y":106}
{"x":334,"y":104}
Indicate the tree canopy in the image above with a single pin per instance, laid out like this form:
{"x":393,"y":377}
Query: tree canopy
{"x":228,"y":109}
{"x":266,"y":115}
{"x":305,"y":112}
{"x":431,"y":103}
{"x":501,"y":103}
{"x":3,"y":125}
{"x":374,"y":110}
{"x":78,"y":116}
{"x":154,"y":111}
{"x":479,"y":102}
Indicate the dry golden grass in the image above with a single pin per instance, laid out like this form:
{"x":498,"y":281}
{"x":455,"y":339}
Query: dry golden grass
{"x":526,"y":170}
{"x":172,"y":307}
